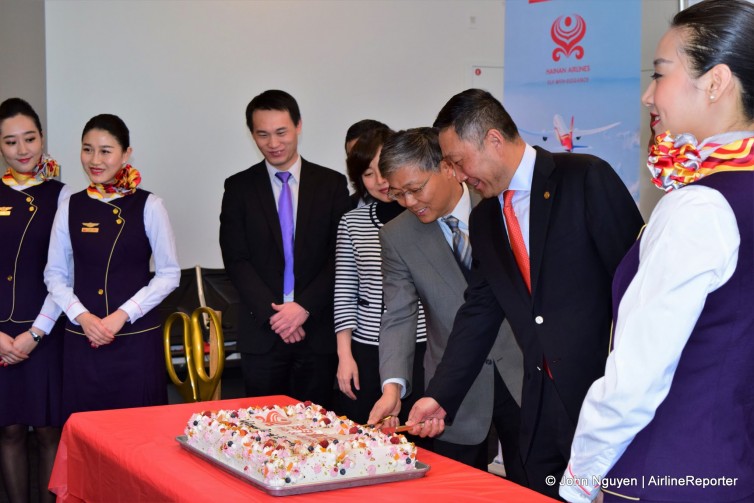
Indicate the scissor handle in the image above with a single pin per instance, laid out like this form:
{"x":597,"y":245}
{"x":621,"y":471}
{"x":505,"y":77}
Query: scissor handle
{"x":188,"y":388}
{"x":207,"y":384}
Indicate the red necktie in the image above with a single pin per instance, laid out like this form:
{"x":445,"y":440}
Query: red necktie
{"x":516,"y":238}
{"x":519,"y":250}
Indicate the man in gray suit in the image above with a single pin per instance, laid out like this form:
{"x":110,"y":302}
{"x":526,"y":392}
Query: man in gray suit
{"x":426,"y":256}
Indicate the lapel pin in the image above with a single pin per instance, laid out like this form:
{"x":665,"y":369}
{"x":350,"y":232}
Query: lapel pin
{"x":547,"y":194}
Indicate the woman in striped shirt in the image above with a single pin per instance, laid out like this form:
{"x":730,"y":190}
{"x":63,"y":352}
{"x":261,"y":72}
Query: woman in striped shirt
{"x":358,"y":284}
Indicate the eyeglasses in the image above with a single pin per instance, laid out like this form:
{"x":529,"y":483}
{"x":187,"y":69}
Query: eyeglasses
{"x":401,"y":195}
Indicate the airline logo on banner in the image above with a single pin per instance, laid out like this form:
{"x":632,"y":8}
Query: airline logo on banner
{"x":565,"y":85}
{"x":567,"y":32}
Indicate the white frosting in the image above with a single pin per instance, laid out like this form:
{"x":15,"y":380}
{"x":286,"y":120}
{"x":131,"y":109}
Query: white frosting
{"x":297,"y":443}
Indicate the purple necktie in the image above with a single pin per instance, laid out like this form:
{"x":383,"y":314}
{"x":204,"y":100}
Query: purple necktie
{"x":285,"y":214}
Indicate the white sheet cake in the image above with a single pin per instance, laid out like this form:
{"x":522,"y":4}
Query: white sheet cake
{"x":297,"y":443}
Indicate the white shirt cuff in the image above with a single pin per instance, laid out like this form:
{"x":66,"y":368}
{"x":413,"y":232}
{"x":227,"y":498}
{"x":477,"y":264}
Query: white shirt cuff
{"x":577,"y":489}
{"x":397,"y":380}
{"x":74,"y":310}
{"x":44,"y":323}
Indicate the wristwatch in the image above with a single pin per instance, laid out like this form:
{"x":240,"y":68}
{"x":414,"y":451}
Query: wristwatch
{"x":37,"y":338}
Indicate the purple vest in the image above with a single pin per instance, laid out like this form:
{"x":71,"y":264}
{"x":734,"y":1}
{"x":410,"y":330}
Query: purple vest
{"x":705,"y":426}
{"x":111,"y":255}
{"x":25,"y":224}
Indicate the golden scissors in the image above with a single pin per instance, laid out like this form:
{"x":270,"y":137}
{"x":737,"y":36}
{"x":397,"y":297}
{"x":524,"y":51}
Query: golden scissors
{"x":198,"y":386}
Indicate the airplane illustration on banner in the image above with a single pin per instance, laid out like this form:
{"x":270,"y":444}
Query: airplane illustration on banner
{"x":566,"y":135}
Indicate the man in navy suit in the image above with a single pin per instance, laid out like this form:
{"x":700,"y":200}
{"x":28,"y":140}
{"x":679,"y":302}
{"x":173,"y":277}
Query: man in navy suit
{"x":545,"y":242}
{"x":278,"y":227}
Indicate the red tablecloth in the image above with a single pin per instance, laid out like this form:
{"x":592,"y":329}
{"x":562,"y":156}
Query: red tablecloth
{"x":131,"y":455}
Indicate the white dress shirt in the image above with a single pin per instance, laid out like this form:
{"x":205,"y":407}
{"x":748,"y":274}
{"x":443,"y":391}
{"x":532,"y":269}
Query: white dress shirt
{"x":277,"y":188}
{"x":461,"y":212}
{"x":59,"y":271}
{"x":689,"y":249}
{"x":521,"y":184}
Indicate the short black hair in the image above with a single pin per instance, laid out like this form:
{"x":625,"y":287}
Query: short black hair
{"x":474,"y":112}
{"x":361,"y":156}
{"x":273,"y":99}
{"x":363,"y":126}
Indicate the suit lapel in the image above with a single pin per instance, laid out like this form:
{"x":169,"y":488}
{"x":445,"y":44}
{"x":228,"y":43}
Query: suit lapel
{"x":475,"y":197}
{"x":543,"y":188}
{"x":501,"y":243}
{"x":430,"y":241}
{"x":266,"y":198}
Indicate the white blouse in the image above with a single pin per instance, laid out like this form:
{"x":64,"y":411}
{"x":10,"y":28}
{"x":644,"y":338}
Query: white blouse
{"x":689,"y":249}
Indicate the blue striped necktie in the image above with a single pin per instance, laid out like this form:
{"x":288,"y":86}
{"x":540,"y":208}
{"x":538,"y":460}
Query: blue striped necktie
{"x":461,"y":245}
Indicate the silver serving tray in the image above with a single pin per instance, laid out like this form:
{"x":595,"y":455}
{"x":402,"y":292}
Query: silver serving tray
{"x":309,"y":487}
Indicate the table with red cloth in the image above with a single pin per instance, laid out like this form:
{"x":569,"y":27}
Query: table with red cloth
{"x":132,"y":455}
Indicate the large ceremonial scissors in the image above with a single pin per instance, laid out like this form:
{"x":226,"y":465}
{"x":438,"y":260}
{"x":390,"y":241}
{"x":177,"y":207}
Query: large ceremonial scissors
{"x":198,"y":386}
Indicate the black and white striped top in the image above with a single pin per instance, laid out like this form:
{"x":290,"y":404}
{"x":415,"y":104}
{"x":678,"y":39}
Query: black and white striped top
{"x":358,"y":277}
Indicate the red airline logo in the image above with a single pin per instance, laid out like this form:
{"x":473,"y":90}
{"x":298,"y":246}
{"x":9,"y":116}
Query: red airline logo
{"x":567,"y":32}
{"x":273,"y":417}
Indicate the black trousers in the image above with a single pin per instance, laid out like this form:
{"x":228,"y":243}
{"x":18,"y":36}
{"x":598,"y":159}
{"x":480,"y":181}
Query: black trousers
{"x":293,"y":370}
{"x":550,"y":447}
{"x":506,"y":416}
{"x":367,"y":359}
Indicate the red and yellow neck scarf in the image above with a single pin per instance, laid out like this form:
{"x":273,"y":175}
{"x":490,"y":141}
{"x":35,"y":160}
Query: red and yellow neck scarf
{"x":125,"y":184}
{"x":46,"y":169}
{"x":678,"y":161}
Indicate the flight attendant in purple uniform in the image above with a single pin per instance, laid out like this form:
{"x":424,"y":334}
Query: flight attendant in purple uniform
{"x":672,"y":420}
{"x":98,"y":273}
{"x":30,"y":341}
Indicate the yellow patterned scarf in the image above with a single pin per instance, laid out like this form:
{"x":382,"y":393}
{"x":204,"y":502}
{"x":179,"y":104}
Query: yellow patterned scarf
{"x":126,"y":182}
{"x":678,"y":161}
{"x":46,"y":169}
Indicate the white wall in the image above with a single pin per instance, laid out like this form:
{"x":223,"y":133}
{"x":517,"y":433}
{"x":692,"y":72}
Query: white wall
{"x":22,"y":53}
{"x":180,"y":73}
{"x":655,"y":19}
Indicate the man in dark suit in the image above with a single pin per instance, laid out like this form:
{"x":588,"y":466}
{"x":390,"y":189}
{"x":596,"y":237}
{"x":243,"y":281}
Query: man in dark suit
{"x":424,"y":259}
{"x":545,"y":243}
{"x":278,"y":226}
